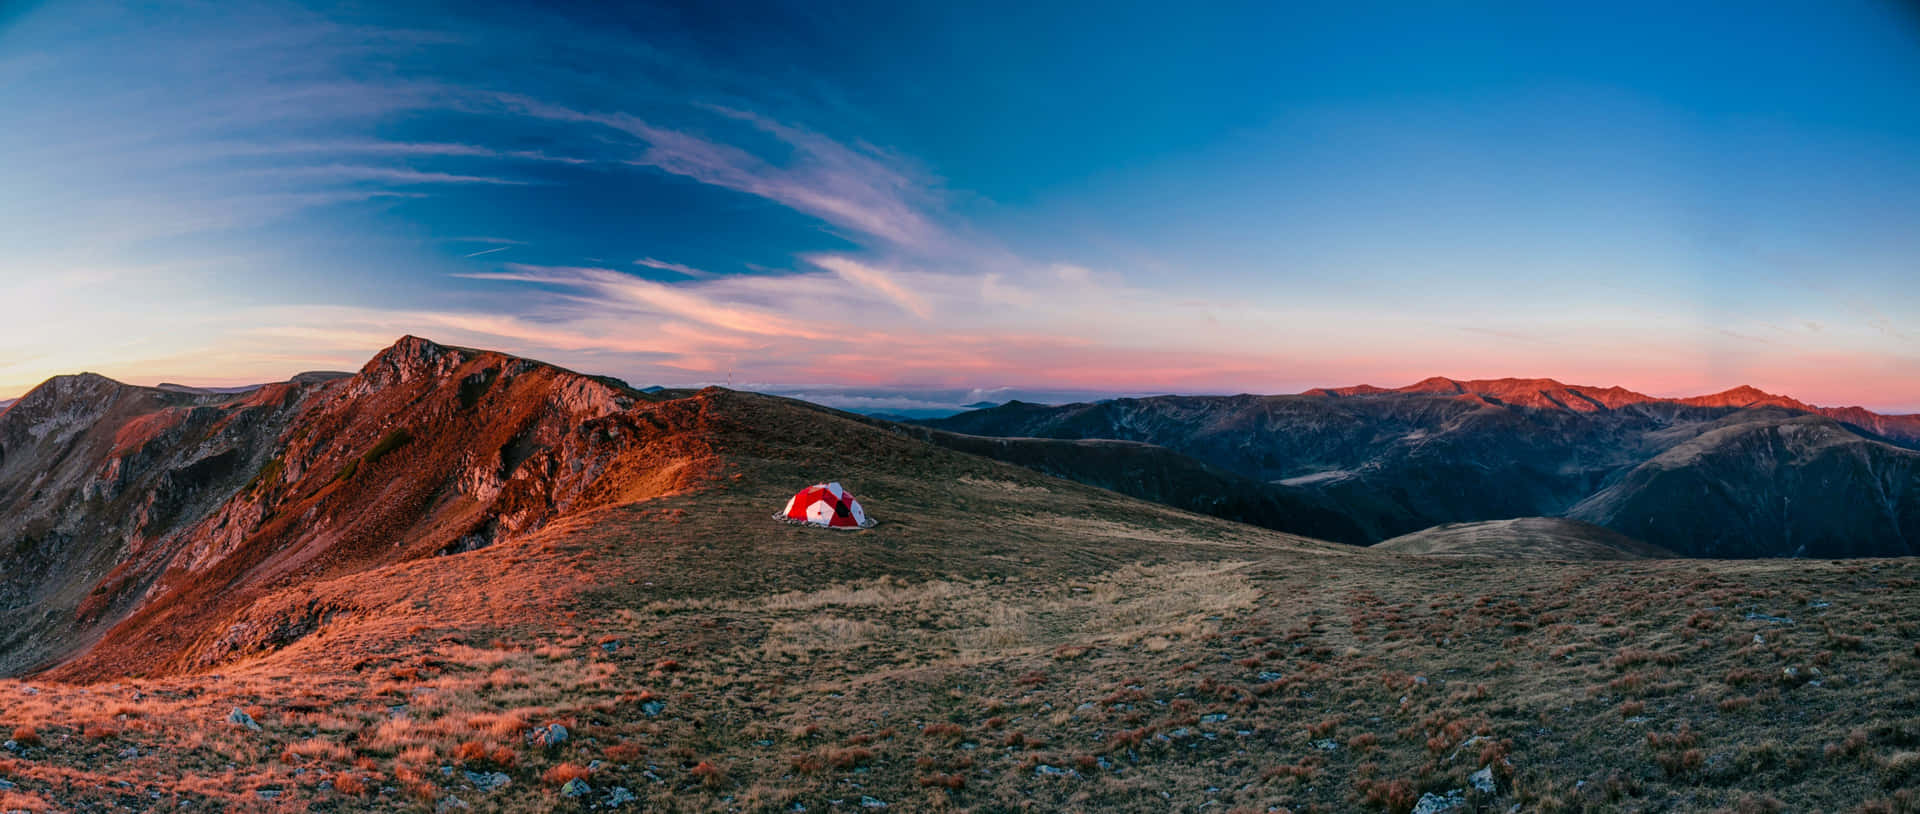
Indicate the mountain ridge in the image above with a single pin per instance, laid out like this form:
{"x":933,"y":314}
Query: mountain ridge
{"x":1396,"y":461}
{"x":1546,"y":391}
{"x":150,"y":532}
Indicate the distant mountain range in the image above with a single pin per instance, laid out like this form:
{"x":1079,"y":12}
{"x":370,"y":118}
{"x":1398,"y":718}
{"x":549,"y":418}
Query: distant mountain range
{"x":1738,"y":473}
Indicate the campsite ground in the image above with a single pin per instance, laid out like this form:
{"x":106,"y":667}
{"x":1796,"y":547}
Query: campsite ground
{"x":1007,"y":641}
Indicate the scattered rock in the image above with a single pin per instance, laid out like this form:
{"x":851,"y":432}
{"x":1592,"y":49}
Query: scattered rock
{"x":1759,"y":639}
{"x":547,"y":736}
{"x":619,"y":797}
{"x":1326,"y":745}
{"x":653,"y":708}
{"x":1213,"y":718}
{"x":6,"y":786}
{"x":1772,"y":620}
{"x":239,"y":717}
{"x":487,"y":782}
{"x":1044,"y":769}
{"x":267,"y":794}
{"x":576,"y":788}
{"x":451,"y":803}
{"x":872,"y":802}
{"x":1431,"y":803}
{"x":1482,"y":781}
{"x":1268,"y":676}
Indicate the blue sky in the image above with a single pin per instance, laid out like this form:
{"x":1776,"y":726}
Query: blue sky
{"x":922,"y":202}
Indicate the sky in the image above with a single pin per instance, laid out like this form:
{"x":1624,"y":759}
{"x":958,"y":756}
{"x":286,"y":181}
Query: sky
{"x":895,"y":205}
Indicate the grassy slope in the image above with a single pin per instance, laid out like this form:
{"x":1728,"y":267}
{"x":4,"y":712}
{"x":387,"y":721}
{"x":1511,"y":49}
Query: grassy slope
{"x":1538,"y":538}
{"x":1004,"y":640}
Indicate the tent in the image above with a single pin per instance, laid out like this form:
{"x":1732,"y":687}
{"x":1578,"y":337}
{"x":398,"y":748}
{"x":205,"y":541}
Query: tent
{"x":828,"y":505}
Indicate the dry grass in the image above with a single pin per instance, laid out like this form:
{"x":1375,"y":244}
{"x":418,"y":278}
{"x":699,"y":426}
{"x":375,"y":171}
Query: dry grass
{"x":1168,"y":665}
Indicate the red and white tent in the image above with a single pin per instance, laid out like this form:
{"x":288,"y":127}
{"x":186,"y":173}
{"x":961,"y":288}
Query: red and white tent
{"x":828,"y":505}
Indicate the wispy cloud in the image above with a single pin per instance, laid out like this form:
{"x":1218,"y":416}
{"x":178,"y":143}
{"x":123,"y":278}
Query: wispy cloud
{"x":485,"y":251}
{"x":392,"y":175}
{"x":626,"y":292}
{"x":878,"y":279}
{"x":854,"y":187}
{"x":673,"y":267}
{"x":385,"y":148}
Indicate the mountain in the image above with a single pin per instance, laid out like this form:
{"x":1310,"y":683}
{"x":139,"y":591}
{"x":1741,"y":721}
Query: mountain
{"x":96,"y":479}
{"x":427,"y":450}
{"x":1542,"y":538}
{"x":1766,"y":483}
{"x":1395,"y":461}
{"x":1163,"y":476}
{"x":150,"y":531}
{"x":5,"y":403}
{"x":458,"y":579}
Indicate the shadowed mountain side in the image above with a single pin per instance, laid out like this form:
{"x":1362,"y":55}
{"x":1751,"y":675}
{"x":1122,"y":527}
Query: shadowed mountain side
{"x":97,"y":478}
{"x":1770,"y":482}
{"x":1161,"y":475}
{"x":1524,"y":538}
{"x":1394,"y":462}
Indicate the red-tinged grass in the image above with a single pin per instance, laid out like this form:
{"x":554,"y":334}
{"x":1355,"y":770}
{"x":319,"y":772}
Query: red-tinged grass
{"x":320,"y":749}
{"x":22,"y":801}
{"x":559,"y":775}
{"x":848,"y":757}
{"x":1397,"y":795}
{"x":777,"y":690}
{"x":709,"y":775}
{"x":951,"y":782}
{"x":944,"y":731}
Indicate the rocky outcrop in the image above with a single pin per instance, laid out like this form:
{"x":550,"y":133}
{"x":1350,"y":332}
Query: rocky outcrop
{"x":98,"y":481}
{"x":153,"y":521}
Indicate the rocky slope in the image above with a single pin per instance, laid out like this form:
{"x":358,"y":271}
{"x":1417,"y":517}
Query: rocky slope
{"x":159,"y":532}
{"x":1445,"y":451}
{"x":96,"y":478}
{"x":151,"y":518}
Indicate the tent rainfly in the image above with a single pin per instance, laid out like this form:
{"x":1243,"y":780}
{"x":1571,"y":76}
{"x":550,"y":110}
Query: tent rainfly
{"x":827,"y":505}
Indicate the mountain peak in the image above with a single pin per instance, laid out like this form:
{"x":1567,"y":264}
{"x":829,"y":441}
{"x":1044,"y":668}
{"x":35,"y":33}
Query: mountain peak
{"x":1434,"y":384}
{"x":1746,"y":395}
{"x":409,"y":358}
